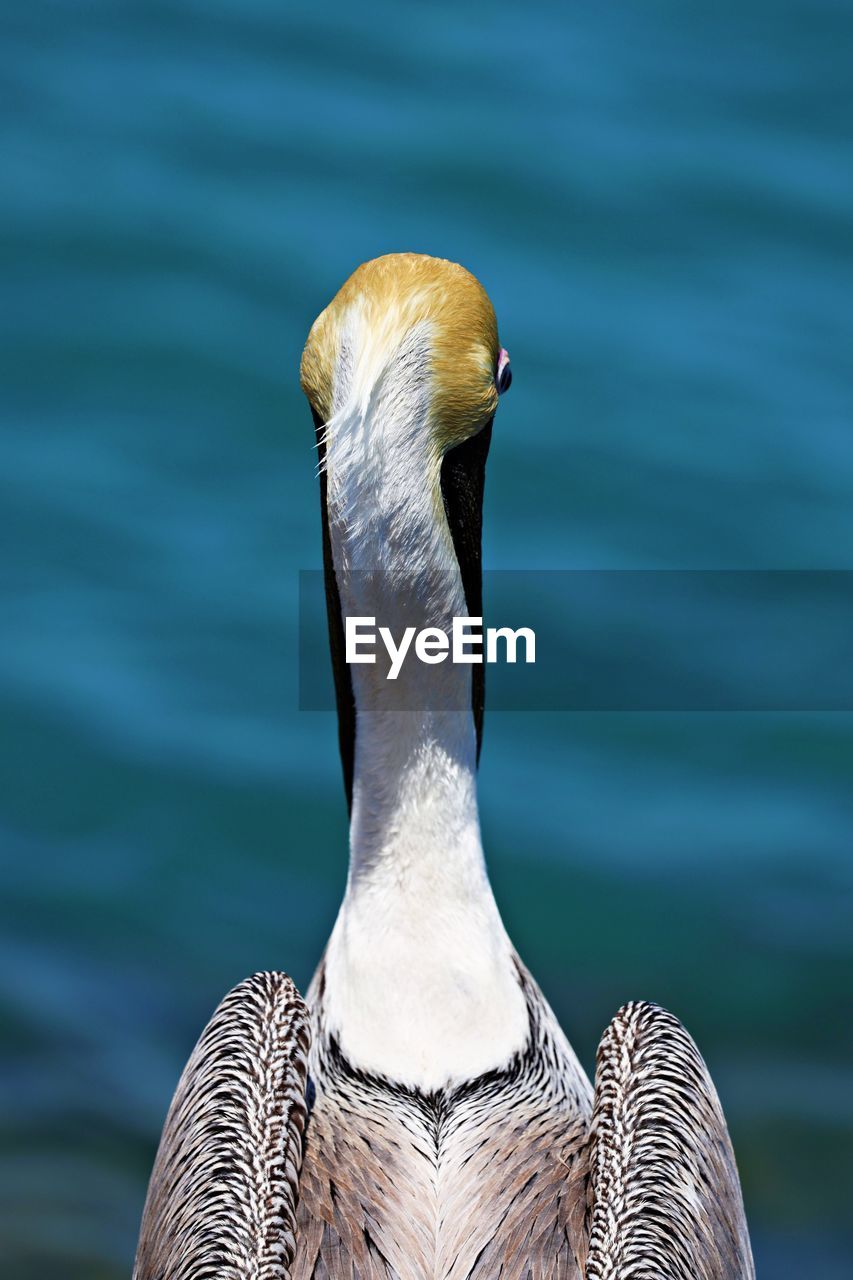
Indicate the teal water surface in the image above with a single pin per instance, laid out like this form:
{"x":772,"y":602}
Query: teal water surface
{"x":659,"y":199}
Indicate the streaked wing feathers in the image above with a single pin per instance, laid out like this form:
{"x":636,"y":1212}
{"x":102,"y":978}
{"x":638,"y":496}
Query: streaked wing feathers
{"x":665,"y":1197}
{"x":222,"y":1197}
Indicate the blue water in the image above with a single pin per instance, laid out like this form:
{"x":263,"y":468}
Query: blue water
{"x":659,"y":199}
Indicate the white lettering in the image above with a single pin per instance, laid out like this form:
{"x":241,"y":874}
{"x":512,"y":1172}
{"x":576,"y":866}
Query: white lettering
{"x":394,"y":653}
{"x":511,"y":638}
{"x":431,"y":645}
{"x":462,"y":637}
{"x":353,"y":639}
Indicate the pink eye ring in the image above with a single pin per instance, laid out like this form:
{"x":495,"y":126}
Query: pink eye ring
{"x":503,"y":377}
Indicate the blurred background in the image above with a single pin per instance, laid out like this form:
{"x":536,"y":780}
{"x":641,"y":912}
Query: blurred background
{"x":659,"y":199}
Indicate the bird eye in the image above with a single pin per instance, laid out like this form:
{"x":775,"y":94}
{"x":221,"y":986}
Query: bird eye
{"x":503,"y":377}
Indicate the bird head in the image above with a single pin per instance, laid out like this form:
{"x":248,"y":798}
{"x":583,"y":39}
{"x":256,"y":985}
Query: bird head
{"x":419,"y":311}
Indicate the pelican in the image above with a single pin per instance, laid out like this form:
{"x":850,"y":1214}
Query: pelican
{"x":421,"y":1115}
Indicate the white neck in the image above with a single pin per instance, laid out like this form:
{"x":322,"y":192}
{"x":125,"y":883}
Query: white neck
{"x":420,"y":978}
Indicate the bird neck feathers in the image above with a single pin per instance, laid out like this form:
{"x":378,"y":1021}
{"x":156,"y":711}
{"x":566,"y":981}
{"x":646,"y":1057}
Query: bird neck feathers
{"x":420,"y":979}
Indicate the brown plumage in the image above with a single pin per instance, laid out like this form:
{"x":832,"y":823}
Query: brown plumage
{"x":222,"y":1196}
{"x":501,"y":1176}
{"x":477,"y":1180}
{"x":664,"y":1191}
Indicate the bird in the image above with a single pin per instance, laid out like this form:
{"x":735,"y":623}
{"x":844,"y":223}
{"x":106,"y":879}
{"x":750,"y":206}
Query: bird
{"x":420,"y":1114}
